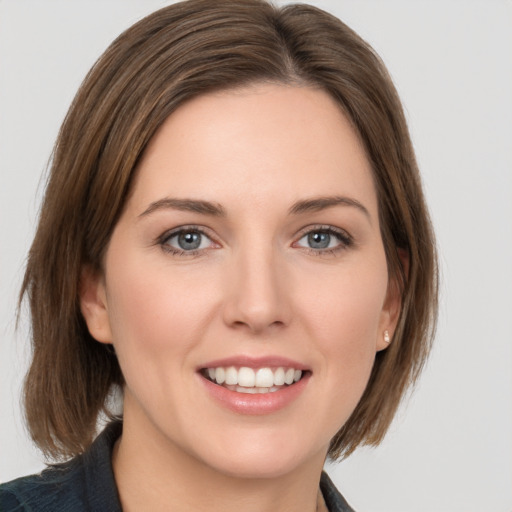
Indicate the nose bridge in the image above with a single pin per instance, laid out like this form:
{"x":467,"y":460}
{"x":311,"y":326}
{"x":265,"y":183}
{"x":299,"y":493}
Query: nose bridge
{"x":257,"y":296}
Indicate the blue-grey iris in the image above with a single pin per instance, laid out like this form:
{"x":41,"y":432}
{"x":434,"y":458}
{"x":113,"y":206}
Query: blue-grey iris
{"x":189,"y":241}
{"x":319,"y":240}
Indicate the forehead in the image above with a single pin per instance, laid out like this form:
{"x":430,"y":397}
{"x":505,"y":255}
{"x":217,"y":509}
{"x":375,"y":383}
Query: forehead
{"x":266,"y":142}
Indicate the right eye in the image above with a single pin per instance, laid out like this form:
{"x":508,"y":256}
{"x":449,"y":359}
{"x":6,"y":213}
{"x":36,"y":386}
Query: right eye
{"x":186,"y":241}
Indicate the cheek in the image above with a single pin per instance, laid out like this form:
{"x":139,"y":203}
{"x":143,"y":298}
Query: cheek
{"x":346,"y":313}
{"x":344,"y":319}
{"x":157,"y":325}
{"x":347,"y":339}
{"x":154,"y":315}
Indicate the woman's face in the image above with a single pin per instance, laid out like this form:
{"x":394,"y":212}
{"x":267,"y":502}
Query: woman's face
{"x":248,"y":253}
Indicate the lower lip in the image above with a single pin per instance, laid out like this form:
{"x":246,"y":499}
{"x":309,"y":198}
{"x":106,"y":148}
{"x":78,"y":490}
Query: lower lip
{"x":255,"y":404}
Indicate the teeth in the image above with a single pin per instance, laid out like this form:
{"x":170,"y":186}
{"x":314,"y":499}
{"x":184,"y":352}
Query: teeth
{"x":231,"y":376}
{"x":264,"y":378}
{"x":247,"y":380}
{"x":220,"y":375}
{"x":279,"y":377}
{"x":240,"y":389}
{"x":246,"y":377}
{"x":253,"y":391}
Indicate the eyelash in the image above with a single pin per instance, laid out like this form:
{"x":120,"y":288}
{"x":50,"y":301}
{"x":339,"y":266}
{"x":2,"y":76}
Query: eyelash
{"x":346,"y":241}
{"x":163,"y":240}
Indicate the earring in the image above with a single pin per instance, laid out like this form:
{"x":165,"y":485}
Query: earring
{"x":386,"y":337}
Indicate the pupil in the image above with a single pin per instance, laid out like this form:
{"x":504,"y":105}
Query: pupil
{"x":319,"y":240}
{"x":189,"y":241}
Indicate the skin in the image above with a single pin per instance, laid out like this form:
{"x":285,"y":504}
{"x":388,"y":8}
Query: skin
{"x":255,"y":287}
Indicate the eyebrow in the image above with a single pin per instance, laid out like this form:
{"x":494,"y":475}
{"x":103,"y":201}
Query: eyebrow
{"x":321,"y":203}
{"x":186,"y":205}
{"x":209,"y":208}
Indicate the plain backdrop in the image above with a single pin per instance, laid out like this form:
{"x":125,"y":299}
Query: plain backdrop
{"x":450,"y":448}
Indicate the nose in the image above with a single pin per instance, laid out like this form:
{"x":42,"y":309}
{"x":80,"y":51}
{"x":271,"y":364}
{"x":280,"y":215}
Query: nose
{"x":257,"y":292}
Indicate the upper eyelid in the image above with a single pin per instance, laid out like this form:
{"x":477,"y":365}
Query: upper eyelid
{"x":164,"y":238}
{"x":345,"y":239}
{"x":324,"y":227}
{"x":187,"y":227}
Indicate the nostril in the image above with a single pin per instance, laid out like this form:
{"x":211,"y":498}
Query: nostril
{"x":255,"y":300}
{"x":257,"y":325}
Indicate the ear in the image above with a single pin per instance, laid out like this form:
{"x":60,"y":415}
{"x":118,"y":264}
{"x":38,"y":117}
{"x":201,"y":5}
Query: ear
{"x":93,"y":304}
{"x":392,"y":305}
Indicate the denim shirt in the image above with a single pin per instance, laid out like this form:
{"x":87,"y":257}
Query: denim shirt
{"x":86,"y":484}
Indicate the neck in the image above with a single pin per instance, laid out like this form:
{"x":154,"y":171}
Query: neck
{"x":152,"y":473}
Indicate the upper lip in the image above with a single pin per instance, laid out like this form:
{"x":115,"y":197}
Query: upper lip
{"x":271,"y":361}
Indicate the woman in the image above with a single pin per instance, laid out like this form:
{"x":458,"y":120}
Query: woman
{"x":234,"y":234}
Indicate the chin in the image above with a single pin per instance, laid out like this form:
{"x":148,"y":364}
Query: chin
{"x":258,"y":468}
{"x":263,"y":457}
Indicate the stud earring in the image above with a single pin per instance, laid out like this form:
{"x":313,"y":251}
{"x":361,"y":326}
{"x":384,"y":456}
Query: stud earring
{"x":386,"y":337}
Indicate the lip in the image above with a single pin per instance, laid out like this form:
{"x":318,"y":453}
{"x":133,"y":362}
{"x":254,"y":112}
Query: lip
{"x":257,"y":404}
{"x":261,"y":403}
{"x":255,"y":362}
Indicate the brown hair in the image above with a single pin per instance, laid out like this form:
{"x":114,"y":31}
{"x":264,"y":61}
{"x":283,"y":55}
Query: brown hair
{"x":176,"y":53}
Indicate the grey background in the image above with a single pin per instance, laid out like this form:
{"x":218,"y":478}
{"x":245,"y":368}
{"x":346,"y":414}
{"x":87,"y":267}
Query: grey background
{"x":450,"y":449}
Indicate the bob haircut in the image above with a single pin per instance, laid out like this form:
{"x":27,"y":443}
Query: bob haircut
{"x":173,"y":55}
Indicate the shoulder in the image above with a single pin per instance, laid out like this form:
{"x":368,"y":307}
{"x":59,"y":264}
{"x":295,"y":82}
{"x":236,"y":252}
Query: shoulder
{"x":81,"y":484}
{"x":57,"y":488}
{"x":8,"y":500}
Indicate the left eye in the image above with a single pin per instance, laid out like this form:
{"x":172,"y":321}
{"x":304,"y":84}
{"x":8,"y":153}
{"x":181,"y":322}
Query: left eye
{"x":322,"y":239}
{"x":190,"y":240}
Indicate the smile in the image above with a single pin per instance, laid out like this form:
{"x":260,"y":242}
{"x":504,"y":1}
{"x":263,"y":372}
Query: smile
{"x":253,"y":381}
